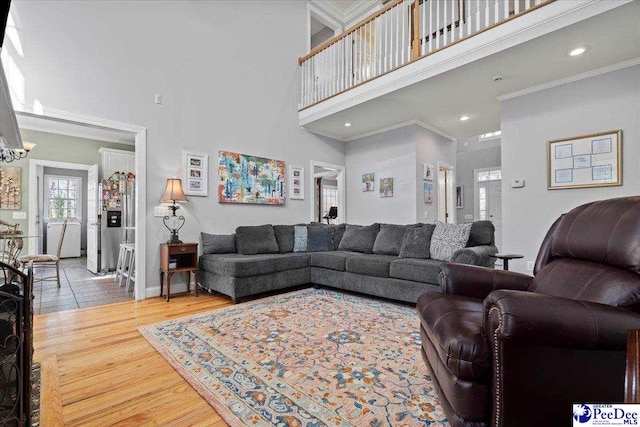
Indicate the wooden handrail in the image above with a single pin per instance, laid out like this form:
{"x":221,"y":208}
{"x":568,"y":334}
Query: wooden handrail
{"x":339,"y":37}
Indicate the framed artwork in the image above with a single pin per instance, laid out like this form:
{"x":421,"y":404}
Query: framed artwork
{"x":428,"y":192}
{"x":243,"y":178}
{"x":10,"y":194}
{"x":460,"y":196}
{"x":427,"y":172}
{"x":368,"y":182}
{"x":386,"y":187}
{"x":196,"y":173}
{"x":296,"y":182}
{"x":585,"y":161}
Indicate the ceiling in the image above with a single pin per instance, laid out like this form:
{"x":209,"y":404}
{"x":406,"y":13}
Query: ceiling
{"x":611,"y":38}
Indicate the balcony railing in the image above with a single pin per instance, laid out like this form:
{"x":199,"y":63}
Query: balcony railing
{"x":398,"y":34}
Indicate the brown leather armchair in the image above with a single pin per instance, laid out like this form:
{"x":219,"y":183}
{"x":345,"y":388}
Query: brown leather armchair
{"x":506,"y":349}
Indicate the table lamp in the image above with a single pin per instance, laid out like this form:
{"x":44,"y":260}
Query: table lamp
{"x":172,"y":194}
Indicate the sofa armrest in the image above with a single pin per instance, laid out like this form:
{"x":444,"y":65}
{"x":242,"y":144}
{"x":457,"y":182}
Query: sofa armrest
{"x":544,"y":320}
{"x":476,"y":255}
{"x":478,"y":282}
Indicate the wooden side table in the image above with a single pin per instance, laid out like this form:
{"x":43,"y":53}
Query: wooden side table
{"x":186,"y":258}
{"x":505,"y":259}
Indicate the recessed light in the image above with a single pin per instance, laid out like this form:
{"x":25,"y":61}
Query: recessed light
{"x":464,"y":118}
{"x":578,"y":51}
{"x":347,"y":124}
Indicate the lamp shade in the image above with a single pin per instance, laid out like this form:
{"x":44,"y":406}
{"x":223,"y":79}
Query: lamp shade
{"x":173,"y":193}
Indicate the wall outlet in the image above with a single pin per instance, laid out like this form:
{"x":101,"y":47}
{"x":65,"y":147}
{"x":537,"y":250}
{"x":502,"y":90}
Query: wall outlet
{"x":530,"y":265}
{"x":426,"y":214}
{"x":19,"y":215}
{"x":468,"y":216}
{"x":160,"y":211}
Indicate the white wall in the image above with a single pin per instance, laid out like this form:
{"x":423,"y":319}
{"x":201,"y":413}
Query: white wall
{"x":227,"y":72}
{"x":388,"y":154}
{"x":602,"y":103}
{"x":400,"y":154}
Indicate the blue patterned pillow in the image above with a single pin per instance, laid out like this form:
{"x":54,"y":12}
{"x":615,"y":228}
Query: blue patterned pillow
{"x":448,"y":238}
{"x":300,"y":238}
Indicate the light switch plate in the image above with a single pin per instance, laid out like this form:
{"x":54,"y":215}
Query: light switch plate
{"x":517,"y":183}
{"x":19,"y":215}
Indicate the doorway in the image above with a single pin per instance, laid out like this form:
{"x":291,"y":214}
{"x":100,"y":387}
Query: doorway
{"x":488,"y":199}
{"x":52,"y":121}
{"x":328,"y":183}
{"x":446,"y":196}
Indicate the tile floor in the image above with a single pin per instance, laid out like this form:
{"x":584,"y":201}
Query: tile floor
{"x":79,"y":288}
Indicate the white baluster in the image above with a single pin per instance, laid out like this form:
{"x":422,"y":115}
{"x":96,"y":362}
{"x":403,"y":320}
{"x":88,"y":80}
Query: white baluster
{"x":431,"y":42}
{"x":506,"y":9}
{"x":437,"y":37}
{"x":496,"y":11}
{"x":477,"y":15}
{"x":487,"y":12}
{"x":445,"y":16}
{"x":461,"y":18}
{"x":527,"y":4}
{"x":403,"y":24}
{"x":452,"y":35}
{"x":516,"y":6}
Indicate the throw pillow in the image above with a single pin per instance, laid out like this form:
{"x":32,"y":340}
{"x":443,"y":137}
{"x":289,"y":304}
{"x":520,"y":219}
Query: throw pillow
{"x":448,"y":238}
{"x":338,"y":232}
{"x":389,"y":239}
{"x":319,"y":238}
{"x":218,"y":243}
{"x":300,"y":238}
{"x":358,"y":238}
{"x":259,"y":239}
{"x":284,"y":237}
{"x":417,"y":241}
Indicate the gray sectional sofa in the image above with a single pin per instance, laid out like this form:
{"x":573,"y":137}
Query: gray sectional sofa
{"x":384,"y":260}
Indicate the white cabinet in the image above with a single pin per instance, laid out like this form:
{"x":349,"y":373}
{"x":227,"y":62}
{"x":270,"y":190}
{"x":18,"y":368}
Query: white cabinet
{"x":117,"y":161}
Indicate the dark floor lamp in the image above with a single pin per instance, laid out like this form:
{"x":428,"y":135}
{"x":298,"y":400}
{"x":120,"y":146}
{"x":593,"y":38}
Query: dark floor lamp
{"x":172,"y":194}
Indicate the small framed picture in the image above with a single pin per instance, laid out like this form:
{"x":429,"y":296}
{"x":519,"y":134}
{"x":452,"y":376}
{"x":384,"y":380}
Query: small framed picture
{"x":196,"y":172}
{"x":296,"y":182}
{"x":427,"y":172}
{"x":368,"y":182}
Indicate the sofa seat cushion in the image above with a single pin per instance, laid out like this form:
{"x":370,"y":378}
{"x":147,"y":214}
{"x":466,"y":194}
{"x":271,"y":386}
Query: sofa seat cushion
{"x":370,"y":265}
{"x":238,"y":265}
{"x":416,"y":270}
{"x":454,"y":325}
{"x":334,"y":260}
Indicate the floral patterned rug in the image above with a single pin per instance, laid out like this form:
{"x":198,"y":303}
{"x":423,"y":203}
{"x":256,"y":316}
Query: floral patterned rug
{"x":307,"y":358}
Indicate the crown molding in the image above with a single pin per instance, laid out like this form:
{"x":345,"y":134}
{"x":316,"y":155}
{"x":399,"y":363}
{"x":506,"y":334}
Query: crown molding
{"x":571,"y":79}
{"x":347,"y":14}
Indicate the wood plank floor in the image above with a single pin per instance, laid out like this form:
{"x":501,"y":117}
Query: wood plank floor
{"x":107,"y":372}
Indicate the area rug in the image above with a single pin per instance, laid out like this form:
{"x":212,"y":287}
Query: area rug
{"x":307,"y":358}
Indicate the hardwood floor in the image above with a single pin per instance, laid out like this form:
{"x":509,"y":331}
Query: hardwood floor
{"x":107,"y":372}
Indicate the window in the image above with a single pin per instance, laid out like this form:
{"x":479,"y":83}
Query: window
{"x":62,"y":197}
{"x":329,"y":198}
{"x":490,"y":135}
{"x":490,"y":175}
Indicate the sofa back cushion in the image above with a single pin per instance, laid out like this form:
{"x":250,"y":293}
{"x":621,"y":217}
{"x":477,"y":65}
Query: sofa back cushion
{"x":448,"y":238}
{"x":218,"y":243}
{"x":319,"y":238}
{"x":284,"y":237}
{"x":483,"y":233}
{"x":389,"y":239}
{"x":359,"y":238}
{"x":416,"y":242}
{"x":259,"y":239}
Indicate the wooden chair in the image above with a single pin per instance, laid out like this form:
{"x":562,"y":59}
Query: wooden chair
{"x":46,"y":260}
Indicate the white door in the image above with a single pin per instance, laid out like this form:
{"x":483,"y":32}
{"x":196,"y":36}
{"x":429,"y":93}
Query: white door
{"x":488,"y":199}
{"x":93,"y":226}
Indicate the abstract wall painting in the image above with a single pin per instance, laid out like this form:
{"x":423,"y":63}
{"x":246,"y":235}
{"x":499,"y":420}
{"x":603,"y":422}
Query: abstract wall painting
{"x":386,"y":187}
{"x":250,"y":179}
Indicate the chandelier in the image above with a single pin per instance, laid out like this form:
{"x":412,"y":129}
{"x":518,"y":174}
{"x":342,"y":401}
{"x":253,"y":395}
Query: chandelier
{"x":8,"y":155}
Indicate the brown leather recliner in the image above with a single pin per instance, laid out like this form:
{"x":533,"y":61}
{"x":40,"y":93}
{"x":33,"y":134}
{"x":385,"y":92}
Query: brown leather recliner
{"x":506,"y":349}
